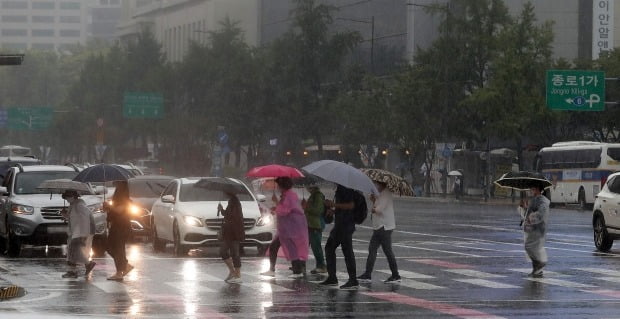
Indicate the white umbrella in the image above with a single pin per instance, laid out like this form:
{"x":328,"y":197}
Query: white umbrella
{"x":343,"y":174}
{"x":61,"y":185}
{"x":455,"y":173}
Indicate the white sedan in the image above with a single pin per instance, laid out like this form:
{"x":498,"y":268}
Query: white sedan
{"x":187,"y":216}
{"x":606,"y":214}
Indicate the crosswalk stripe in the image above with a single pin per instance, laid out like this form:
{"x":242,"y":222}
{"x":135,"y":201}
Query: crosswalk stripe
{"x":610,"y":279}
{"x":110,"y":287}
{"x":473,"y":273}
{"x":547,"y":273}
{"x":407,"y":274}
{"x":414,"y":284}
{"x":560,"y":282}
{"x":265,"y":287}
{"x":486,"y":283}
{"x":608,"y":272}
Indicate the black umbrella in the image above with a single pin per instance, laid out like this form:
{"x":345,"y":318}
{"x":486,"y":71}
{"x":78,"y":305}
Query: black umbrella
{"x":102,"y":173}
{"x":523,"y":180}
{"x":222,"y":184}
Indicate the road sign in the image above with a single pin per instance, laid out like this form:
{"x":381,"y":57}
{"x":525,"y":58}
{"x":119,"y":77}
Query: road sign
{"x":143,"y":105}
{"x":29,"y":118}
{"x":575,"y":90}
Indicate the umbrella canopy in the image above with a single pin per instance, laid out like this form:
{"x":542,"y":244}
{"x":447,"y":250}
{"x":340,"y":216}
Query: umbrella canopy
{"x":274,"y":170}
{"x":523,"y":180}
{"x":455,"y":173}
{"x":222,"y":184}
{"x":393,"y":182}
{"x":343,"y":174}
{"x":102,"y":173}
{"x":61,"y":185}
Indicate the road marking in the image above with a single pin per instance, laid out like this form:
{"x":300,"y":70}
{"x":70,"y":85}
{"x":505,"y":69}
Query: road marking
{"x":414,"y":284}
{"x":473,"y":273}
{"x":610,"y":279}
{"x":486,"y":283}
{"x":441,"y":263}
{"x":431,"y":305}
{"x":547,"y":273}
{"x":605,"y":292}
{"x":407,"y":274}
{"x":110,"y":286}
{"x":559,"y":282}
{"x":265,"y":287}
{"x":608,"y":272}
{"x":435,"y":250}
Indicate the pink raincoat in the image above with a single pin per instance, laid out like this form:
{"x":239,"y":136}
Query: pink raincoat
{"x":292,"y":227}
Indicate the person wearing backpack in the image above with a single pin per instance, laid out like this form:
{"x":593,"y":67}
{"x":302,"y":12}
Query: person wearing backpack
{"x":314,"y":209}
{"x":342,"y":208}
{"x":383,"y":223}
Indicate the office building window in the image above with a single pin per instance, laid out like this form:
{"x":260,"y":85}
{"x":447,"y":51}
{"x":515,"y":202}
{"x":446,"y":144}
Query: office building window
{"x":70,"y":6}
{"x":43,"y":46}
{"x":70,"y":33}
{"x":14,"y":32}
{"x":42,"y":32}
{"x":14,"y":45}
{"x":43,"y":5}
{"x":14,"y":18}
{"x":69,"y":19}
{"x":42,"y":19}
{"x":14,"y":5}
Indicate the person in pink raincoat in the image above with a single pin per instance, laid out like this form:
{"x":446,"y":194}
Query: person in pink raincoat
{"x":292,"y":227}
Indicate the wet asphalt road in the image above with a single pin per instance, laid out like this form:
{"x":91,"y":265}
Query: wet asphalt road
{"x":457,"y":260}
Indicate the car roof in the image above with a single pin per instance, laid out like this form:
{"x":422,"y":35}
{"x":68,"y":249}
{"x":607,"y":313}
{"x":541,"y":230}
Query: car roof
{"x":44,"y":168}
{"x":152,"y":177}
{"x":18,"y":159}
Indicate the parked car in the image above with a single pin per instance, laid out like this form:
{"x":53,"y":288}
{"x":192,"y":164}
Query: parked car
{"x":187,"y":216}
{"x":144,"y":190}
{"x":10,"y":161}
{"x":32,"y":216}
{"x":605,"y":215}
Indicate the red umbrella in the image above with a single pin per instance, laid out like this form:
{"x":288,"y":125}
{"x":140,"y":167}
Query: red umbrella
{"x":274,"y":170}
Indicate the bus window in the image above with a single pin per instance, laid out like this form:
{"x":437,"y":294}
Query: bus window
{"x":614,"y":153}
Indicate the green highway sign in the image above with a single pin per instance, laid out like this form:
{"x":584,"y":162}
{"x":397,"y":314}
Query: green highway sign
{"x":143,"y":105}
{"x":29,"y":118}
{"x":575,"y":90}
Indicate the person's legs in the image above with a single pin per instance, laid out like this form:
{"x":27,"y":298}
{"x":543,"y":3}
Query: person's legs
{"x":373,"y":246}
{"x":273,"y":253}
{"x":116,"y":249}
{"x":349,"y":255}
{"x":317,"y":250}
{"x":225,"y":255}
{"x":386,"y":245}
{"x":333,"y":241}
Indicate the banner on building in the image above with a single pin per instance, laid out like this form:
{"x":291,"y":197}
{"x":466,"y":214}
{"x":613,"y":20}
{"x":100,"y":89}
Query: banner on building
{"x":602,"y":27}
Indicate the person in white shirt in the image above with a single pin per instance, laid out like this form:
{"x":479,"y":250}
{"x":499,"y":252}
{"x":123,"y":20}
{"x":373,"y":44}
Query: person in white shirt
{"x":383,"y":223}
{"x":81,"y":231}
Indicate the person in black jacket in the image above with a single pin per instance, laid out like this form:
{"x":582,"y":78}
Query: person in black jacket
{"x":232,"y":235}
{"x":119,"y":229}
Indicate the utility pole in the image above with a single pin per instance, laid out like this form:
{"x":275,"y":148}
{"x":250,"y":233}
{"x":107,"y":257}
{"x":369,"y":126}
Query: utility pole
{"x":372,"y":38}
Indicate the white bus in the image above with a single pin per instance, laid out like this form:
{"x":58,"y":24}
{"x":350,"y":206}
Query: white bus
{"x":577,"y":170}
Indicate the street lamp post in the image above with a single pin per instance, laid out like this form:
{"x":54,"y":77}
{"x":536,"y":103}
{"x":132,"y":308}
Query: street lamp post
{"x":372,"y":37}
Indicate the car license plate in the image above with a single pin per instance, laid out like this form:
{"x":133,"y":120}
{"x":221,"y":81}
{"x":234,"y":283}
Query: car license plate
{"x":56,"y":229}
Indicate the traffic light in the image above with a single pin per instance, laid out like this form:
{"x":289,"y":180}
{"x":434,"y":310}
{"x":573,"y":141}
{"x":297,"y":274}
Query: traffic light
{"x":11,"y":59}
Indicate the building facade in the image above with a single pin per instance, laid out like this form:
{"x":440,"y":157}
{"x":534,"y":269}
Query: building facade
{"x":176,"y":23}
{"x":55,"y":24}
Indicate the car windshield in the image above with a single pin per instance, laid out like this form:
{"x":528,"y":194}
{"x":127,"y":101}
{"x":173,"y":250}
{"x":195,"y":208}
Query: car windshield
{"x":27,"y":182}
{"x":190,"y":193}
{"x":147,"y":188}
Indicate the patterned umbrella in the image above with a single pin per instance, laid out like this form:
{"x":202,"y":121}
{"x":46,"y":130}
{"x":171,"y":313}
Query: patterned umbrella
{"x":393,"y":182}
{"x":523,"y":180}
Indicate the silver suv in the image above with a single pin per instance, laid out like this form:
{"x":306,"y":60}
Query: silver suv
{"x":31,"y":216}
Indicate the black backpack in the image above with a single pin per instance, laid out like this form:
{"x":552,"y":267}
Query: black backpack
{"x":360,"y":211}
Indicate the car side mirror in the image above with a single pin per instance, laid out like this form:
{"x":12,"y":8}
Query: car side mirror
{"x":167,"y":199}
{"x":261,"y":198}
{"x":99,"y":190}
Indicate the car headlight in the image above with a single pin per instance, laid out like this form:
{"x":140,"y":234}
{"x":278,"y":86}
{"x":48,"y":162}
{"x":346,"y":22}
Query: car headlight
{"x":192,"y":221}
{"x":264,"y":220}
{"x":22,"y":209}
{"x":136,"y":210}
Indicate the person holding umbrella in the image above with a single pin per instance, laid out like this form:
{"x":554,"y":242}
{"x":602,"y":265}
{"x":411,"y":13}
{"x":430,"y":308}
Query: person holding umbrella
{"x":232,"y":234}
{"x":81,"y":232}
{"x":383,"y":223}
{"x":119,"y":220}
{"x":535,"y":229}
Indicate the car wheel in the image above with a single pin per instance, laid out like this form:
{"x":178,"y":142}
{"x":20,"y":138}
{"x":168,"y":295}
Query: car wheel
{"x":602,"y":241}
{"x":261,"y":250}
{"x":158,"y":244}
{"x":180,"y":250}
{"x":13,"y":245}
{"x":581,"y":199}
{"x":99,"y":245}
